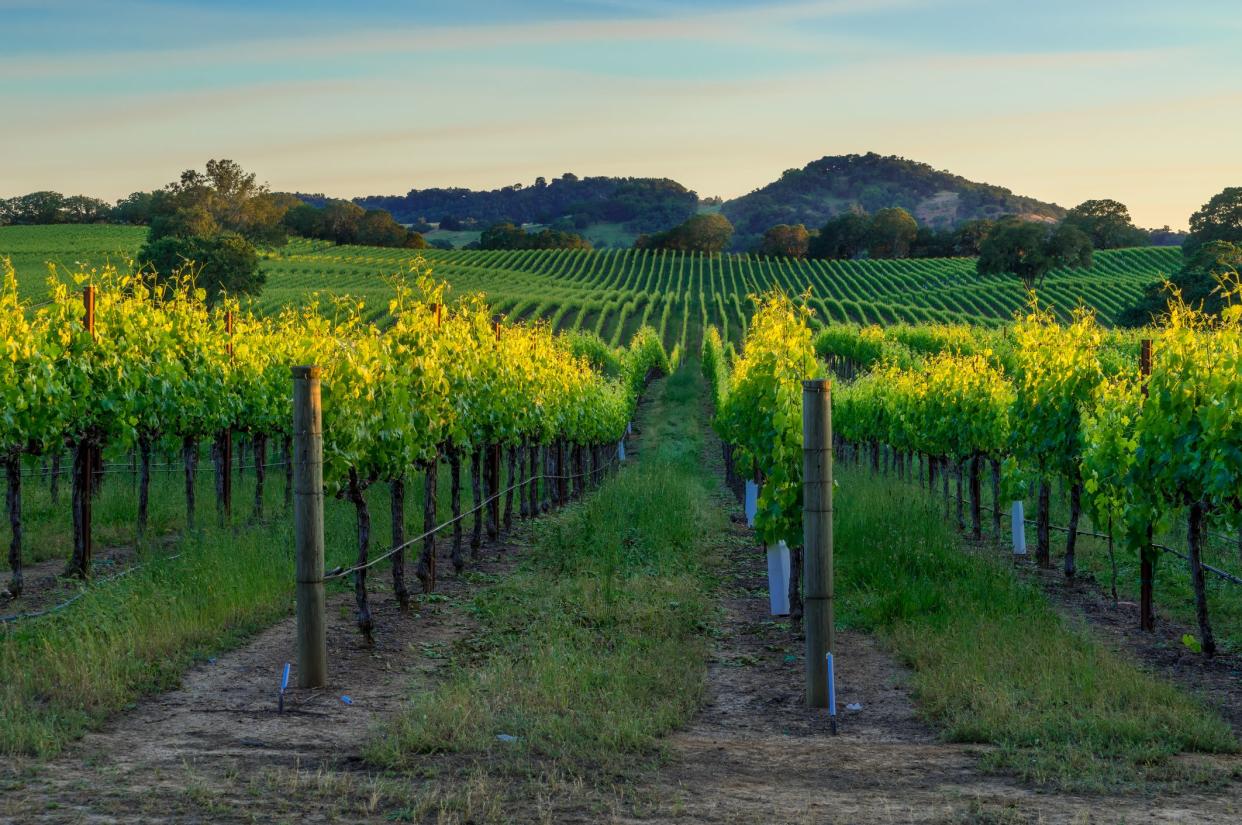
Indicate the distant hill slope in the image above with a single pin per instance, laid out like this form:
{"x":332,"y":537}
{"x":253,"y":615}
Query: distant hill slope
{"x":640,"y":204}
{"x":832,"y":185}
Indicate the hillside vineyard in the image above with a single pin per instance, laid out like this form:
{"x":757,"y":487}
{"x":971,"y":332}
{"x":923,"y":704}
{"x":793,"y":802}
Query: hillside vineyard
{"x":614,"y":292}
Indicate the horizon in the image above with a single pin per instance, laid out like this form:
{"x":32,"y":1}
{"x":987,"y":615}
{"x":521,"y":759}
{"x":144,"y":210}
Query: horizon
{"x":1135,"y":102}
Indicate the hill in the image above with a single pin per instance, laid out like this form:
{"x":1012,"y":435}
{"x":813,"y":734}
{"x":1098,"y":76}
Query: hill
{"x":832,"y":185}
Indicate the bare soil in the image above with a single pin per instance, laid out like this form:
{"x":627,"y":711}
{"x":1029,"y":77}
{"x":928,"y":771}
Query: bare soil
{"x":215,"y":750}
{"x":757,"y":754}
{"x":221,"y":730}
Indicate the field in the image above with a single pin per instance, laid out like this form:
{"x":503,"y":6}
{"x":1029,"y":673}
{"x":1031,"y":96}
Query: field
{"x":613,"y":292}
{"x":597,"y":643}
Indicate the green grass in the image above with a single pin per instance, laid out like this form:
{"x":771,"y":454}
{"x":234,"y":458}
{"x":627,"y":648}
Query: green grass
{"x":609,"y":235}
{"x":993,"y":661}
{"x":1174,"y":592}
{"x":135,"y":635}
{"x":65,"y":673}
{"x":565,"y":282}
{"x":596,"y":646}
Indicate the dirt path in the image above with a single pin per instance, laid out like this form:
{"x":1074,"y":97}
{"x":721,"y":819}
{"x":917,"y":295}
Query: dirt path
{"x":194,"y":754}
{"x":215,"y":750}
{"x":756,"y":754}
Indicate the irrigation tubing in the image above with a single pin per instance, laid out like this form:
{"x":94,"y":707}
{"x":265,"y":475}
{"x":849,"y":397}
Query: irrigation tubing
{"x":34,"y":614}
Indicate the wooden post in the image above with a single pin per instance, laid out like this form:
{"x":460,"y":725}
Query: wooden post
{"x":817,"y":536}
{"x":1147,"y":566}
{"x":308,"y":528}
{"x":226,"y":441}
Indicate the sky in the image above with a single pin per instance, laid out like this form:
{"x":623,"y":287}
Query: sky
{"x":1062,"y":100}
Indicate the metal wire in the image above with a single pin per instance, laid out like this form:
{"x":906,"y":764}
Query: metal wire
{"x":339,"y":573}
{"x":34,"y":614}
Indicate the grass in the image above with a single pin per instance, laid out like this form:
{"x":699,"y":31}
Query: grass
{"x":1174,"y":592}
{"x":135,"y":635}
{"x":994,"y":663}
{"x":596,"y":646}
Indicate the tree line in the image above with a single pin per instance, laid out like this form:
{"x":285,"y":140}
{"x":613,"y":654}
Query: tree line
{"x":565,"y":203}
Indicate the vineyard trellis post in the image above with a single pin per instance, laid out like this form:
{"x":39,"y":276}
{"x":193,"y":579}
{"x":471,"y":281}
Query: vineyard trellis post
{"x":85,"y":462}
{"x":817,"y":536}
{"x":308,"y":527}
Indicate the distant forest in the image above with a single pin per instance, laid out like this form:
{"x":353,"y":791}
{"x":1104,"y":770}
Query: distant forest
{"x":568,"y":202}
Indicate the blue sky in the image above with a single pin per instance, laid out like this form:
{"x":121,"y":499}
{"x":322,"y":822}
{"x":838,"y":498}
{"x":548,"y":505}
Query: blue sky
{"x":1140,"y":101}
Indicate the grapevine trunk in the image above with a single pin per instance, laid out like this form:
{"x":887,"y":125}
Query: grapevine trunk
{"x":13,"y":498}
{"x":396,"y":490}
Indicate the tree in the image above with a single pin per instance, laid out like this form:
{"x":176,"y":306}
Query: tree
{"x":1199,"y":282}
{"x":347,"y":222}
{"x":707,"y":233}
{"x":502,"y":236}
{"x":508,"y":236}
{"x":224,"y":263}
{"x":226,"y":196}
{"x":1032,"y":249}
{"x":842,"y":237}
{"x":305,"y":220}
{"x":891,"y":234}
{"x":932,"y":243}
{"x":1220,"y":219}
{"x":1069,"y":247}
{"x":183,"y":222}
{"x":340,"y":221}
{"x":970,"y":236}
{"x":83,"y":209}
{"x":136,"y":209}
{"x":1107,"y":223}
{"x":377,"y":228}
{"x":785,"y":241}
{"x":35,"y":208}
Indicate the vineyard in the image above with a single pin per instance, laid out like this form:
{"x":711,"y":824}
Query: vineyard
{"x":613,"y":293}
{"x":126,"y":377}
{"x":1143,"y":434}
{"x":476,"y":404}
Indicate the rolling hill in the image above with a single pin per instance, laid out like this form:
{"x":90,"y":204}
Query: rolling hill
{"x":832,"y":185}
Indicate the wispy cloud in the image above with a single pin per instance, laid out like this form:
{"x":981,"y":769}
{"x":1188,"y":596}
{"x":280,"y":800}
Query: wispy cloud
{"x":751,"y":25}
